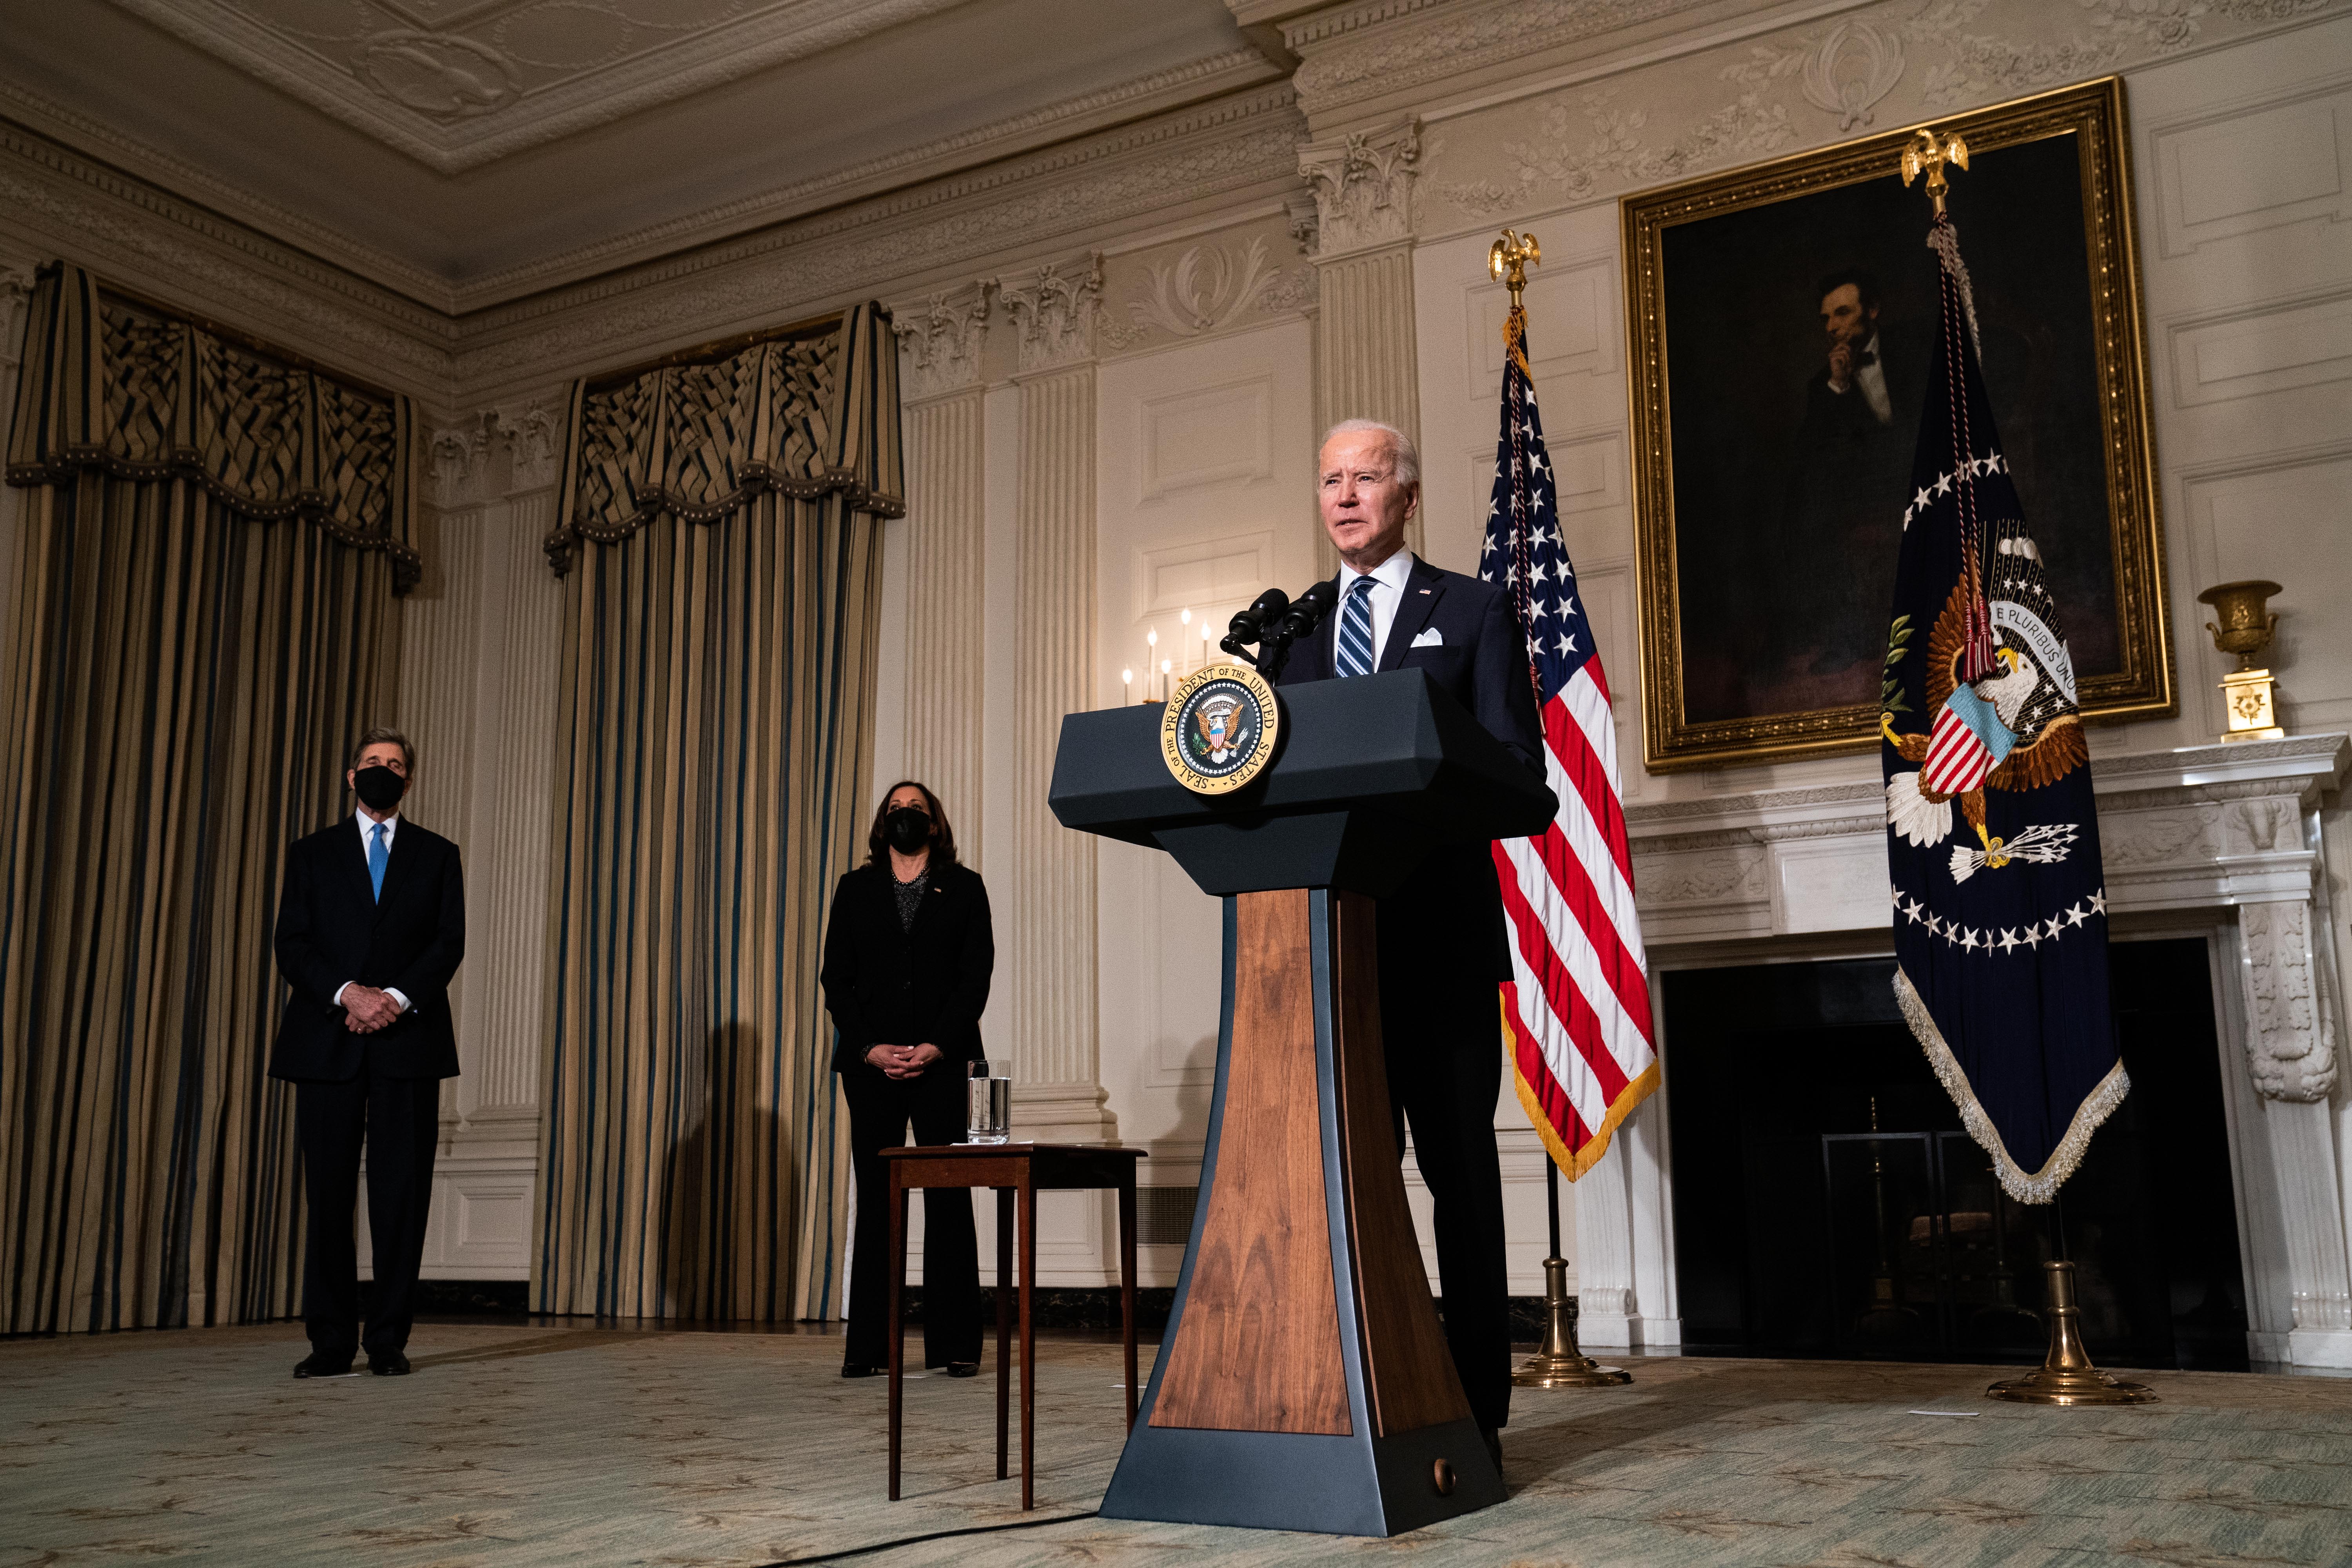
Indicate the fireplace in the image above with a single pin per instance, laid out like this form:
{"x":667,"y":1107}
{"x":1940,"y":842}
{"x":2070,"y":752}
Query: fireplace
{"x":1827,"y":1202}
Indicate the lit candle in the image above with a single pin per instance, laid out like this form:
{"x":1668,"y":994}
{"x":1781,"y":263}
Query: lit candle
{"x":1127,"y":686}
{"x":1204,"y":641}
{"x":1163,"y":680}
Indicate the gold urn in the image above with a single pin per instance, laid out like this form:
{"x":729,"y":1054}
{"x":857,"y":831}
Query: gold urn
{"x":2245,"y":627}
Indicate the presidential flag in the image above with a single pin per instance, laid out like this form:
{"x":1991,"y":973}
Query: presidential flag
{"x":1575,"y":1012}
{"x":1992,"y":844}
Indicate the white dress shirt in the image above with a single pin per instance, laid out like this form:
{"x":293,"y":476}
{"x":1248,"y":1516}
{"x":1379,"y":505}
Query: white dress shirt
{"x":368,"y":824}
{"x":1872,"y":379}
{"x":1389,"y":579}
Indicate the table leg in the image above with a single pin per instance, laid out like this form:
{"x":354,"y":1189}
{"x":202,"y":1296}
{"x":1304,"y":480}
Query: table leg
{"x":898,"y":1320}
{"x":1028,"y":1343}
{"x":1004,"y":1281}
{"x":1126,"y":1282}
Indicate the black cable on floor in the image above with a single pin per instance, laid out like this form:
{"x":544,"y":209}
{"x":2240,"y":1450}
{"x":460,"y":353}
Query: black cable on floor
{"x":935,"y":1535}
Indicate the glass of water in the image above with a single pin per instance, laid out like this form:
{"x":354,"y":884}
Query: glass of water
{"x":990,"y":1115}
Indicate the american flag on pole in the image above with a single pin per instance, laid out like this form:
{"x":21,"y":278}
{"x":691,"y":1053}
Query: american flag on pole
{"x":1575,"y":1012}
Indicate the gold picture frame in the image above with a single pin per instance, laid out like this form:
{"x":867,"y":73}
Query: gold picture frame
{"x":1757,"y":573}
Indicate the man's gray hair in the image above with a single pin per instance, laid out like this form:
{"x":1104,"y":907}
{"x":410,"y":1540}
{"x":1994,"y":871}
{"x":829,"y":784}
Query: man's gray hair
{"x":380,"y":736}
{"x":1404,"y":457}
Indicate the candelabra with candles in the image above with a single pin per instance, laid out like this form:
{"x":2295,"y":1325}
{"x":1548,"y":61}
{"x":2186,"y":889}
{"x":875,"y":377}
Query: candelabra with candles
{"x":1178,"y":660}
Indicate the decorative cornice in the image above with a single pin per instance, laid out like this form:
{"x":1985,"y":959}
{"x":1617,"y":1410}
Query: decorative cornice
{"x":1241,"y":143}
{"x":1012,"y":137}
{"x":94,"y":139}
{"x":1349,"y":56}
{"x":130,"y":226}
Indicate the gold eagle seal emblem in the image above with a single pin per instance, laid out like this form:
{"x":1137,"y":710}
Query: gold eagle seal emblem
{"x":1218,"y":731}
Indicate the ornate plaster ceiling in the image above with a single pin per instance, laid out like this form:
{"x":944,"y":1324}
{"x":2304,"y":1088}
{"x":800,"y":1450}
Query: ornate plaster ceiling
{"x":455,"y":84}
{"x":472,"y":152}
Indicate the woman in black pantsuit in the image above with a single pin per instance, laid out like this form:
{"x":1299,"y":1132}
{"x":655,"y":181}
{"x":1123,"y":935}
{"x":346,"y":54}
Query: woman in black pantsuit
{"x":907,"y":954}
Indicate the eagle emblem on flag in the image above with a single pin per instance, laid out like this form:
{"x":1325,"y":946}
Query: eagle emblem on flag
{"x":1993,"y":848}
{"x":2019,"y":726}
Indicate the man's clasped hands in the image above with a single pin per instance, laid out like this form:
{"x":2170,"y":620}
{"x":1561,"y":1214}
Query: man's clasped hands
{"x":903,"y":1061}
{"x":367,"y":1009}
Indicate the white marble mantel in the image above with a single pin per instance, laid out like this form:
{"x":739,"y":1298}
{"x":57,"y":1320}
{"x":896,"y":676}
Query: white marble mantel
{"x":2222,"y":839}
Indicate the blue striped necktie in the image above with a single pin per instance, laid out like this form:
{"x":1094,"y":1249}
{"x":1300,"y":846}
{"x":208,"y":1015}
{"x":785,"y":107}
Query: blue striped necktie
{"x":375,"y":859}
{"x":1356,"y":629}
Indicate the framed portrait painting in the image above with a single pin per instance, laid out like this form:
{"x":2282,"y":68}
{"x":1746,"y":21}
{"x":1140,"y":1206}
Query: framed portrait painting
{"x":1782,"y":322}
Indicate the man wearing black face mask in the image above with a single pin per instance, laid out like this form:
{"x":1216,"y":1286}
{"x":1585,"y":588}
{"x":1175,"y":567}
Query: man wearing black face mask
{"x":371,"y":928}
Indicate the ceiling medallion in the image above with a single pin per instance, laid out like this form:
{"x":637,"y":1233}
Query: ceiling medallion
{"x":439,"y":74}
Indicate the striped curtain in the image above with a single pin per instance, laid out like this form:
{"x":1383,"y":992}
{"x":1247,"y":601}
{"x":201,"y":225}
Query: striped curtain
{"x":179,"y":681}
{"x":718,"y":529}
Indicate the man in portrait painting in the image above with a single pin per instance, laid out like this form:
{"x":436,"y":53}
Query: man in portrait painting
{"x":1847,"y":475}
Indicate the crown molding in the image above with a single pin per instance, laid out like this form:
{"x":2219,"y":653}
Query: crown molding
{"x":1357,"y":59}
{"x":1159,"y":92}
{"x":1006,"y":213}
{"x":142,"y":235}
{"x":901,"y":243}
{"x":95,"y":139}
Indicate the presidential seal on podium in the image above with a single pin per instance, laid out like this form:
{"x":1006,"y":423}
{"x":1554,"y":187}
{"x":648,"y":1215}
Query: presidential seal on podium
{"x":1219,"y":729}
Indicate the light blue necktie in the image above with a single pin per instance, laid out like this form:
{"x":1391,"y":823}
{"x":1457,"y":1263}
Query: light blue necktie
{"x":1356,"y":629}
{"x":376,"y":858}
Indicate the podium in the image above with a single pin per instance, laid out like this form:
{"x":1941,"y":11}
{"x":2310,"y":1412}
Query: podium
{"x":1304,"y":1382}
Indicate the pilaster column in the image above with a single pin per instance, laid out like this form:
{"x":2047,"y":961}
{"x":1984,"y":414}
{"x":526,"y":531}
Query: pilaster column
{"x":517,"y":687}
{"x":940,"y":348}
{"x":1366,"y":366}
{"x":1057,"y":1087}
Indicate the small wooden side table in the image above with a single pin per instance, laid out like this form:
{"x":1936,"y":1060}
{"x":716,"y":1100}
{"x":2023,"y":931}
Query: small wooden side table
{"x":1019,"y":1170}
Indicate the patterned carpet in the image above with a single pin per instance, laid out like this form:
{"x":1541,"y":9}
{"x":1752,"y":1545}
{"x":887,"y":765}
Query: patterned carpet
{"x":522,"y":1446}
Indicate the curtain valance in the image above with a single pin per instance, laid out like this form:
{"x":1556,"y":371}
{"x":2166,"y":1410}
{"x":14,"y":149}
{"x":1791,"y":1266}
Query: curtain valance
{"x":108,"y":385}
{"x":795,"y":417}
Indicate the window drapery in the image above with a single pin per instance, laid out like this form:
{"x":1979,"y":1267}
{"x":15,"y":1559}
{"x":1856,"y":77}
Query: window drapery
{"x":718,"y":529}
{"x":205,"y":620}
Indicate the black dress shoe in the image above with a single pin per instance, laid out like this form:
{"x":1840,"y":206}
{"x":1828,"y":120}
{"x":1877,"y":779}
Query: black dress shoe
{"x":390,"y":1363}
{"x":1494,"y":1446}
{"x":963,"y":1369}
{"x":319,"y":1364}
{"x":858,"y":1368}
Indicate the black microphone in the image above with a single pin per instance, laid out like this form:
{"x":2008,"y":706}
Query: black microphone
{"x":1306,"y":611}
{"x":1248,"y":626}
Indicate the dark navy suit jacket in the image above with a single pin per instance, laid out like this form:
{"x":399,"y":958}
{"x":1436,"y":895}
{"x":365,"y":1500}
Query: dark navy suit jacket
{"x":1450,"y":911}
{"x":331,"y":928}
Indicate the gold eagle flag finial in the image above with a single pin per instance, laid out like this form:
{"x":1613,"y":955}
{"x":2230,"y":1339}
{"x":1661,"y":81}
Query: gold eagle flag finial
{"x":1509,"y":260}
{"x":1931,"y":154}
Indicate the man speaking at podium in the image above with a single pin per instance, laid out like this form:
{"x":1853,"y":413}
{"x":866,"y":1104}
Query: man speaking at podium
{"x":1442,"y":937}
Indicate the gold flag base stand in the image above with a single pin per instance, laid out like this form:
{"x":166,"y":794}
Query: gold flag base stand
{"x":2067,"y":1377}
{"x":1559,"y":1364}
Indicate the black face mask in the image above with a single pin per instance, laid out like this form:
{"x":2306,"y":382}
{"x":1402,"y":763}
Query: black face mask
{"x":909,"y":828}
{"x":380,"y":788}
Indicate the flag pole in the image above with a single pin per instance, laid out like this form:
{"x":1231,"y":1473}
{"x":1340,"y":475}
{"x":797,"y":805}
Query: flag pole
{"x":2066,"y":1376}
{"x":1558,"y":1363}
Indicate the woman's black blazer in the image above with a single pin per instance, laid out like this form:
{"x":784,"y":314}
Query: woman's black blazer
{"x":888,"y":986}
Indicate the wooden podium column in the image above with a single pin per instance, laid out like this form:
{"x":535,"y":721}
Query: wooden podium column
{"x":1304,"y":1382}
